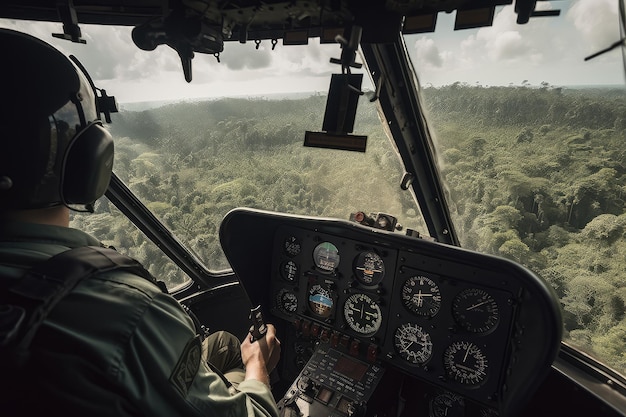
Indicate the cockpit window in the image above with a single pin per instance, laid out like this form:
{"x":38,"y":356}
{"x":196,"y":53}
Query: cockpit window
{"x":233,"y":137}
{"x":530,"y":137}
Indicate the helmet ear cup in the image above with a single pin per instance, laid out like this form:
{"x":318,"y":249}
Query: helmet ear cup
{"x":88,"y":165}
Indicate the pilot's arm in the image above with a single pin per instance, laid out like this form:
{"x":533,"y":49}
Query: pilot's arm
{"x":167,"y":375}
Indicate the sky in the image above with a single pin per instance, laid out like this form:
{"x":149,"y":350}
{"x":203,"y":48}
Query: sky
{"x":548,"y":50}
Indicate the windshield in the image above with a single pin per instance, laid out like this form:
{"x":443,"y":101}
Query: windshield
{"x":530,"y":139}
{"x":233,"y":137}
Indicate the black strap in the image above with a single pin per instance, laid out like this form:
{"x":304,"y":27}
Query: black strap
{"x":35,"y":295}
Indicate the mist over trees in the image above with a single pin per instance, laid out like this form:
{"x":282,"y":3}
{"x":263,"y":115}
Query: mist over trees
{"x":536,"y":175}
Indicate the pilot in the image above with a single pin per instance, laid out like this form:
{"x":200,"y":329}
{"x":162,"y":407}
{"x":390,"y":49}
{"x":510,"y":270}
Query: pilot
{"x":116,"y":344}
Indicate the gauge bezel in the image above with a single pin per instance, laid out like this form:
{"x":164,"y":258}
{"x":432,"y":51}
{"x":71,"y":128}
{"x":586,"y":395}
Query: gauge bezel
{"x":329,"y":313}
{"x":284,"y":274}
{"x":444,"y":402}
{"x":361,"y":275}
{"x":480,"y":320}
{"x":431,"y":303}
{"x":461,"y":373}
{"x":427,"y":348}
{"x":292,"y":241}
{"x":351,"y":322}
{"x":324,"y":266}
{"x":279,"y":300}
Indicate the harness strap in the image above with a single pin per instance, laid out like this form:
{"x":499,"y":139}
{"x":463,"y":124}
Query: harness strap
{"x":34,"y":296}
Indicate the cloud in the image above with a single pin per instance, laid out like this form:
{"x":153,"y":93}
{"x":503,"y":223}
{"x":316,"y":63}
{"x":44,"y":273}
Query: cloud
{"x":548,"y":49}
{"x":597,"y":21}
{"x":506,"y":41}
{"x":427,"y":53}
{"x":237,"y":56}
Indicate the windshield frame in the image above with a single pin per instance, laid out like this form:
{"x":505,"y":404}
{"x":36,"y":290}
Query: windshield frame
{"x":390,"y":65}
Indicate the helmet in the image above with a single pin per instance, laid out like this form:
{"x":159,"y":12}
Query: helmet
{"x":53,"y":148}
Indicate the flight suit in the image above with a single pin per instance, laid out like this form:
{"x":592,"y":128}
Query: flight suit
{"x":117,"y":346}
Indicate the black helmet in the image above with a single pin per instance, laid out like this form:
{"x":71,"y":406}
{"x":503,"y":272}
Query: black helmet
{"x":53,"y":148}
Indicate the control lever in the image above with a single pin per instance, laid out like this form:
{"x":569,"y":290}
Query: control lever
{"x":257,"y":333}
{"x":258,"y":328}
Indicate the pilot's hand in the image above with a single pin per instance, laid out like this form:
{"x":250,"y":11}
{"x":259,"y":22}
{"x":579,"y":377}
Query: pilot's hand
{"x":261,"y":356}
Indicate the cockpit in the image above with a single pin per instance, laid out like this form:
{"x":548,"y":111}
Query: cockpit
{"x":426,"y":198}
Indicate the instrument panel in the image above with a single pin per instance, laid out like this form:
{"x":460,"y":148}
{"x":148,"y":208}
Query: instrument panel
{"x":471,"y":330}
{"x":450,"y":326}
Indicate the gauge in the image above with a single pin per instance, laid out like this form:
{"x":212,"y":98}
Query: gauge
{"x":465,"y":363}
{"x":475,"y":310}
{"x":326,"y":257}
{"x":362,"y":314}
{"x":421,"y":296}
{"x":286,"y":301}
{"x":292,"y":246}
{"x":321,"y":300}
{"x":369,"y":268}
{"x":289,"y":270}
{"x":413,"y":344}
{"x":447,"y":404}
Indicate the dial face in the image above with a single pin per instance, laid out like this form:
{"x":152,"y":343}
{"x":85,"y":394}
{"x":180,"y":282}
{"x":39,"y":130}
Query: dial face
{"x":362,"y":314}
{"x":413,"y":344}
{"x":369,"y":268}
{"x":465,"y":363}
{"x":447,"y":404}
{"x":326,"y":257}
{"x":289,"y":270}
{"x":286,"y":301}
{"x":421,"y":296}
{"x":292,"y":246}
{"x":475,"y":310}
{"x":320,"y":300}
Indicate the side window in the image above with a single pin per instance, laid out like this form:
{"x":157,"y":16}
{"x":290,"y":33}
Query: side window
{"x":112,"y":228}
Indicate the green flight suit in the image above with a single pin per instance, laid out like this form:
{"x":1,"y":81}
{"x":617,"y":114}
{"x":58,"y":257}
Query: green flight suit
{"x":117,"y":346}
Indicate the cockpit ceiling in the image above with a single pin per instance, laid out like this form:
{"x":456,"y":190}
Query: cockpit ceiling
{"x":242,"y":20}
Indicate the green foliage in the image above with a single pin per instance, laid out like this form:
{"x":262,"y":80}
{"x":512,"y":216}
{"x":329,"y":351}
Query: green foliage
{"x":539,"y":176}
{"x":191,"y":163}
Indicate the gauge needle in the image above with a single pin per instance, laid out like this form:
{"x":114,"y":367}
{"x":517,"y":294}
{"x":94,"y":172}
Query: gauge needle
{"x":466,"y":353}
{"x":420,"y":296}
{"x":476,"y":305}
{"x":362,"y":310}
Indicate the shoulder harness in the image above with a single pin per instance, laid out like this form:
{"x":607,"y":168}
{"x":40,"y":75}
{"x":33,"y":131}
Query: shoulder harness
{"x":31,"y":299}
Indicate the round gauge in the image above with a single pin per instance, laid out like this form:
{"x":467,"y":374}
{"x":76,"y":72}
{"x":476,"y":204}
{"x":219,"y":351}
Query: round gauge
{"x":421,"y":296}
{"x":286,"y":301}
{"x":289,"y":270}
{"x":320,"y":300}
{"x":475,"y":310}
{"x":292,"y":246}
{"x":369,"y":268}
{"x":326,"y":257}
{"x":362,"y":314}
{"x":413,"y":344}
{"x":465,"y":363}
{"x":447,"y":404}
